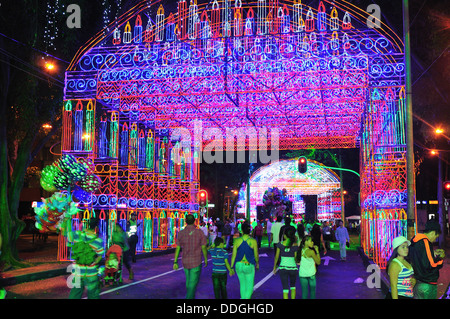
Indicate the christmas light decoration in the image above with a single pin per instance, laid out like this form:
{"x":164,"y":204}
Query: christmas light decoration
{"x":315,"y":72}
{"x":283,"y":175}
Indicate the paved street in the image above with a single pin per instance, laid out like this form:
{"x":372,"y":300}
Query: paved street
{"x":155,"y":279}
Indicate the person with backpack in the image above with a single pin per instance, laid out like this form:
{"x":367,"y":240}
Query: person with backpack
{"x":258,"y":233}
{"x":87,"y":251}
{"x":227,"y":234}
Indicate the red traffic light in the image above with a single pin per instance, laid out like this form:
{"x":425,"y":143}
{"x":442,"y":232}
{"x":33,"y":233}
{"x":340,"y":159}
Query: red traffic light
{"x":302,"y":165}
{"x":202,"y":198}
{"x":446,"y":190}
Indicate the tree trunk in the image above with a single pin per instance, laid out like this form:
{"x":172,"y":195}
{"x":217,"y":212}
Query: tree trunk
{"x":10,"y":226}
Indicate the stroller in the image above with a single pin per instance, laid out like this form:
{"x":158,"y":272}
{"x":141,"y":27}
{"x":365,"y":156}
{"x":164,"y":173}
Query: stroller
{"x":113,"y":265}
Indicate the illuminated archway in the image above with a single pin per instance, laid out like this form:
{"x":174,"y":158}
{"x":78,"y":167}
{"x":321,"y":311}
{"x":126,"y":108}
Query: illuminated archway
{"x":288,"y":75}
{"x":284,"y":174}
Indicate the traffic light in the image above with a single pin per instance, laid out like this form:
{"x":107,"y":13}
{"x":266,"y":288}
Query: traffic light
{"x":302,"y":165}
{"x":202,"y":198}
{"x":447,"y":190}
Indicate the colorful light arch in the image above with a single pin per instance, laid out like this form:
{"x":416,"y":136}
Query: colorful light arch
{"x":284,"y":174}
{"x":299,"y":76}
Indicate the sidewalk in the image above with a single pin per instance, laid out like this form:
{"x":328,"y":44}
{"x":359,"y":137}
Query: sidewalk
{"x":43,"y":255}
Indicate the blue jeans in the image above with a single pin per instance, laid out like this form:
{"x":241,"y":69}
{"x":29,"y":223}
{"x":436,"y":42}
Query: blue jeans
{"x":308,"y":284}
{"x":192,"y":278}
{"x":246,"y":275}
{"x":343,"y":249}
{"x":220,"y":285}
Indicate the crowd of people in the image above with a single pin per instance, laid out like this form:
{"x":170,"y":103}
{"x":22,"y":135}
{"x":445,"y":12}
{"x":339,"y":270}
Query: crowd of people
{"x":293,"y":244}
{"x":413,"y":268}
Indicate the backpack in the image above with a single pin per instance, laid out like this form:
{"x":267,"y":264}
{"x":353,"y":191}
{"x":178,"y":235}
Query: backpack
{"x":227,"y":229}
{"x":83,"y":253}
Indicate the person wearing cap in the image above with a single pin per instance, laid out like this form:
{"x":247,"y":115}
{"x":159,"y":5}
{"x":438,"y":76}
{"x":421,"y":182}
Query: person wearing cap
{"x":426,"y":262}
{"x":400,"y":271}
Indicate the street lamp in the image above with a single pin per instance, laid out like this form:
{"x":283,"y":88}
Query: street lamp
{"x":440,"y":196}
{"x":49,"y":66}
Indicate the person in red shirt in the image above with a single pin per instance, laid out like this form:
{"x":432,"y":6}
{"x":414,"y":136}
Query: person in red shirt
{"x":193,"y":242}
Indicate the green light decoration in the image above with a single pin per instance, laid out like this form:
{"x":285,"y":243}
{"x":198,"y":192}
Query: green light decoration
{"x":133,"y":145}
{"x":68,"y":106}
{"x":66,"y":174}
{"x":149,"y":151}
{"x":114,"y":129}
{"x":47,"y":177}
{"x":148,"y":227}
{"x":88,"y":137}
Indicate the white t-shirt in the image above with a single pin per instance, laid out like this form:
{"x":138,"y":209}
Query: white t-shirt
{"x":307,"y":266}
{"x":275,"y":230}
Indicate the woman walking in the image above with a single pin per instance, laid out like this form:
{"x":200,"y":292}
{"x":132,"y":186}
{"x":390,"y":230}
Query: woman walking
{"x":245,"y":255}
{"x":309,"y":257}
{"x":288,"y":267}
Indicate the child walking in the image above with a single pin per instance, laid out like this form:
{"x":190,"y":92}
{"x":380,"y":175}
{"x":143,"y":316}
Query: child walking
{"x":309,"y":257}
{"x":220,"y":266}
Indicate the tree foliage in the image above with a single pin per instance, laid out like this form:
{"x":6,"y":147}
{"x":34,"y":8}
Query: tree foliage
{"x":30,"y":97}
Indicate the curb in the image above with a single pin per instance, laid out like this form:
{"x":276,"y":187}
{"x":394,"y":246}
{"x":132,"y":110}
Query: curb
{"x":34,"y":276}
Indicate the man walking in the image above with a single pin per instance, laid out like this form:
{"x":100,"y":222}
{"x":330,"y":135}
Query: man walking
{"x":343,"y":238}
{"x":426,"y":262}
{"x":193,"y":242}
{"x":276,"y":232}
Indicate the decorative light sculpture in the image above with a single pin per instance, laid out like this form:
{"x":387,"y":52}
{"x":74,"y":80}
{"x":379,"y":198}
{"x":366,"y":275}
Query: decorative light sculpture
{"x":324,"y":79}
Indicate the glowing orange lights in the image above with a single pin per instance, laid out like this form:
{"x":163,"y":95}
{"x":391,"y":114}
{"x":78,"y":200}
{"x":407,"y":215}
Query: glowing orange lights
{"x":49,"y":66}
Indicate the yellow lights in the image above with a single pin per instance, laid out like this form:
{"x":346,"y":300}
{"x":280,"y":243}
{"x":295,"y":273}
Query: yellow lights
{"x":49,"y":66}
{"x":434,"y":152}
{"x":47,"y":126}
{"x":439,"y":131}
{"x":86,"y":136}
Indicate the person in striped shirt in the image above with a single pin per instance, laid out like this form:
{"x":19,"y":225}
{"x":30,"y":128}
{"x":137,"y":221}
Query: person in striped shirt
{"x":400,"y":271}
{"x":86,"y":275}
{"x":220,"y":266}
